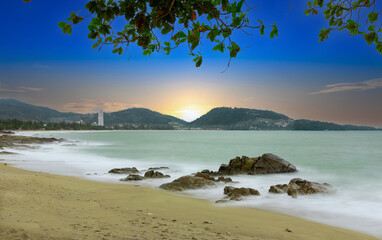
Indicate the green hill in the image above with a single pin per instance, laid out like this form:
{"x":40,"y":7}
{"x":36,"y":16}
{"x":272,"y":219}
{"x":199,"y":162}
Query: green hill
{"x":136,"y":116}
{"x":309,"y":125}
{"x":11,"y":108}
{"x":242,"y":119}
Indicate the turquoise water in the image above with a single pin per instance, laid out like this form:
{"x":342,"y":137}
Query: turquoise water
{"x":350,"y":161}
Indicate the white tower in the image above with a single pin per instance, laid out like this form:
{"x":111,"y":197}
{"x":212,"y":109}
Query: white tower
{"x":100,"y":117}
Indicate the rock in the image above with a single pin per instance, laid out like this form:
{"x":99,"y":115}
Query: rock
{"x":266,"y":164}
{"x":20,"y":141}
{"x":124,"y":170}
{"x":208,"y":177}
{"x":298,"y":186}
{"x":132,"y":177}
{"x":236,"y":193}
{"x":6,"y":132}
{"x":224,"y":179}
{"x":5,"y":152}
{"x":187,"y":182}
{"x":205,"y":176}
{"x":157,"y":168}
{"x":279,"y":188}
{"x":152,"y":174}
{"x":221,"y":201}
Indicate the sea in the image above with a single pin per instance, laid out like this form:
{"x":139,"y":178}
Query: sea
{"x":350,"y":161}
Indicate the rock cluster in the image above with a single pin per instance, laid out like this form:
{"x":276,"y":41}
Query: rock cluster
{"x":132,"y":177}
{"x":298,"y":186}
{"x":208,"y":177}
{"x":236,"y":193}
{"x":157,"y":168}
{"x":266,"y":164}
{"x":155,"y":174}
{"x":187,"y":182}
{"x":127,"y":170}
{"x":7,"y":140}
{"x":135,"y":177}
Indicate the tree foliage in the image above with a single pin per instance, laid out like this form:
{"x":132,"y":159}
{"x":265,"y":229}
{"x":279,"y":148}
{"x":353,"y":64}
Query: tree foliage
{"x":359,"y":17}
{"x":163,"y":25}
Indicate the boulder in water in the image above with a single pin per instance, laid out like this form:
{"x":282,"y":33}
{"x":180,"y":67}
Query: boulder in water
{"x":266,"y":164}
{"x":187,"y":182}
{"x":132,"y":177}
{"x":127,"y":170}
{"x":155,"y":174}
{"x":236,"y":193}
{"x":298,"y":186}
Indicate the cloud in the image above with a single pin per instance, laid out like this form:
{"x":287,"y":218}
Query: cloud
{"x":345,"y":87}
{"x":33,"y":89}
{"x":9,"y":90}
{"x":21,"y":89}
{"x":91,"y":105}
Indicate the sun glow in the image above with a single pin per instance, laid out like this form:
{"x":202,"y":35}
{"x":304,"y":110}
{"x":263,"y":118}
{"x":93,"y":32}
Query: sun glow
{"x":189,"y":115}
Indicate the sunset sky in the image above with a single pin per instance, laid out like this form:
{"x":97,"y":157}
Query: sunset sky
{"x":339,"y":80}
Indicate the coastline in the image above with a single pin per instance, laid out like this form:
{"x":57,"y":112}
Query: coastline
{"x":45,"y":206}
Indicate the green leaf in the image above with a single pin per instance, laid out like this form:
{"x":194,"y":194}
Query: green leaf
{"x":61,"y":24}
{"x":199,"y":61}
{"x":147,"y":52}
{"x":373,"y":17}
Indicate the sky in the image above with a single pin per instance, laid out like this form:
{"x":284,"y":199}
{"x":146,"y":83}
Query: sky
{"x":338,"y":80}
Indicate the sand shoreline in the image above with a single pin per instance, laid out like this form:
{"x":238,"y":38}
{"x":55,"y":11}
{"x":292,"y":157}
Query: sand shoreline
{"x":35,"y":205}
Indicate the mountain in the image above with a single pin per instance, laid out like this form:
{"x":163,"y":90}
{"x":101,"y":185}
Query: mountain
{"x":309,"y":125}
{"x":11,"y":108}
{"x":137,"y":116}
{"x":242,"y":119}
{"x":253,"y":119}
{"x":218,"y":118}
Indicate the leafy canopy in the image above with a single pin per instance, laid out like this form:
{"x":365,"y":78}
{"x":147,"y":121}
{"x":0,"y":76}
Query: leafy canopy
{"x":148,"y":22}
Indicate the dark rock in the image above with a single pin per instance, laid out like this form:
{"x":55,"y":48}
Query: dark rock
{"x":205,"y":176}
{"x":224,"y":179}
{"x":236,"y":193}
{"x":157,"y":168}
{"x":187,"y":182}
{"x":5,"y":152}
{"x":124,"y":170}
{"x":279,"y":188}
{"x":20,"y":141}
{"x":298,"y":186}
{"x":152,"y":174}
{"x":6,"y":132}
{"x":132,"y":177}
{"x":208,"y":177}
{"x":266,"y":164}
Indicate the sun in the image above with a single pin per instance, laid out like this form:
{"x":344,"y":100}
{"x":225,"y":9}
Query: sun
{"x":189,"y":115}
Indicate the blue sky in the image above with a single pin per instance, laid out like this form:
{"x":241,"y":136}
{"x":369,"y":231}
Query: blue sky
{"x":337,"y":80}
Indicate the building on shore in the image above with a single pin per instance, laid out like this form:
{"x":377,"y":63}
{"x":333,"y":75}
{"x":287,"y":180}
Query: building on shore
{"x":100,"y":117}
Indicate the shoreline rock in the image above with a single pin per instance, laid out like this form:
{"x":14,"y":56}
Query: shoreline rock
{"x":126,"y":170}
{"x":132,"y":177}
{"x":187,"y":182}
{"x":7,"y":140}
{"x":237,"y":193}
{"x":266,"y":164}
{"x":298,"y":186}
{"x":155,"y":174}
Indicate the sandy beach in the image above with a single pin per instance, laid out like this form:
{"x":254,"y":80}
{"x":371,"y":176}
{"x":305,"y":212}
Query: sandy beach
{"x":35,"y":205}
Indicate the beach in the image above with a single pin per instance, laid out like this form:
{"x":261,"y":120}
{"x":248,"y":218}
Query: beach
{"x":36,"y":205}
